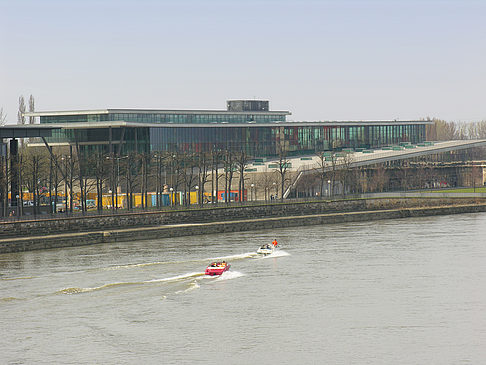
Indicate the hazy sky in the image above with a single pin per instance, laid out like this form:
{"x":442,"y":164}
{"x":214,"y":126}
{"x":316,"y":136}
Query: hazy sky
{"x":322,"y":60}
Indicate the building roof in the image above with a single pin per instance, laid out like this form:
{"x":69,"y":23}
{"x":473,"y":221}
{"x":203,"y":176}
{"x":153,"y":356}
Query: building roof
{"x":123,"y":124}
{"x":312,"y":162}
{"x":150,"y":111}
{"x":27,"y":130}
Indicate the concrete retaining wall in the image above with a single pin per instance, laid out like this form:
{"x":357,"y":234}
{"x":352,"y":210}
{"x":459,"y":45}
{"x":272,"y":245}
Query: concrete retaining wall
{"x":176,"y":230}
{"x":220,"y":214}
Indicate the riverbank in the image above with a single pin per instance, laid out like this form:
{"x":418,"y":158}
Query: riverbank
{"x":210,"y":221}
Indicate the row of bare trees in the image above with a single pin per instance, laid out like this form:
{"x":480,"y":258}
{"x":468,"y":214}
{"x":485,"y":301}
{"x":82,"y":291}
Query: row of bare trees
{"x":68,"y":176}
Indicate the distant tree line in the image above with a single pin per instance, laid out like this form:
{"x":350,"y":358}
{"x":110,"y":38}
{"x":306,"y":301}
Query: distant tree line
{"x":442,"y":130}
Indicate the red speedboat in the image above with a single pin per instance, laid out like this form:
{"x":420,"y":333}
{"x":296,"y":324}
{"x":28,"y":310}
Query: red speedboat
{"x":217,"y":268}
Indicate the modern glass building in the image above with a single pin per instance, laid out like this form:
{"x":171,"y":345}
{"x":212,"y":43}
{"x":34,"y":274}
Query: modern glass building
{"x":246,"y":125}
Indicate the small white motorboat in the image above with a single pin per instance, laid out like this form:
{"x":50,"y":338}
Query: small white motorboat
{"x":266,"y":250}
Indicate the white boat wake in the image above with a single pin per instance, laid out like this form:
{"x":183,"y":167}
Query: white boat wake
{"x":127,"y":283}
{"x":228,"y":275}
{"x":175,"y":278}
{"x":191,"y":287}
{"x":233,"y":257}
{"x":276,"y":253}
{"x":144,"y":264}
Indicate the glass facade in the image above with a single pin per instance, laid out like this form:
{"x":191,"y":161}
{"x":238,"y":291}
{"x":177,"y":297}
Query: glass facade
{"x":169,"y":117}
{"x":206,"y":130}
{"x":74,"y":118}
{"x":265,"y":140}
{"x":195,"y":118}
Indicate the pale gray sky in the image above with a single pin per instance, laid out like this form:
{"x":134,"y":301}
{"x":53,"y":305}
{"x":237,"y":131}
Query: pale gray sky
{"x":322,"y":60}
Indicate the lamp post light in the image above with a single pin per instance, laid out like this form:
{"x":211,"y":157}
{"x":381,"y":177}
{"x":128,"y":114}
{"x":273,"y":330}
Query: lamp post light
{"x":251,"y":193}
{"x":329,"y":187}
{"x":197,"y":193}
{"x":111,"y":192}
{"x":171,"y":195}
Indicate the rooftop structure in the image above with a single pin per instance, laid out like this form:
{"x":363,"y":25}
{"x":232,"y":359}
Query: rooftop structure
{"x":239,"y":111}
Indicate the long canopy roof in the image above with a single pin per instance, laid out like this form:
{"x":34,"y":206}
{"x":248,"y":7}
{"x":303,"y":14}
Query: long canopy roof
{"x":27,"y":130}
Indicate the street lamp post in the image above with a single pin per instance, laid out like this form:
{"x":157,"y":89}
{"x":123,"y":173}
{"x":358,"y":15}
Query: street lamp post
{"x":117,"y":182}
{"x":329,"y":187}
{"x":197,"y":194}
{"x":252,"y":186}
{"x":171,"y":195}
{"x":111,"y":192}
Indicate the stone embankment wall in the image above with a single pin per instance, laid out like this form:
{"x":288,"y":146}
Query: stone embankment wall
{"x":66,"y":232}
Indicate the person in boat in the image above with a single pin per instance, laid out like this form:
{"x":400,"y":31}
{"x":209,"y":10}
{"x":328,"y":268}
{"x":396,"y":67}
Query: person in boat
{"x":223,"y":263}
{"x":275,"y":243}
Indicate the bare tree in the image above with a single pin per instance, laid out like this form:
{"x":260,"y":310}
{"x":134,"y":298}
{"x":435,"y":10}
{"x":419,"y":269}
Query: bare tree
{"x":345,"y":171}
{"x":189,"y":176}
{"x":307,"y":184}
{"x":177,"y":171}
{"x":264,"y":180}
{"x":321,"y":170}
{"x":476,"y":175}
{"x":204,"y":160}
{"x":81,"y":169}
{"x":33,"y":169}
{"x":55,"y":182}
{"x":282,"y":167}
{"x":380,"y":178}
{"x":144,"y":157}
{"x":362,"y":179}
{"x":3,"y":117}
{"x":476,"y":130}
{"x":229,"y":169}
{"x":242,"y":160}
{"x":131,"y":178}
{"x":98,"y":162}
{"x":333,"y":172}
{"x":442,"y":130}
{"x":216,"y":159}
{"x":21,"y":112}
{"x":4,"y":181}
{"x":404,"y":176}
{"x":31,"y":109}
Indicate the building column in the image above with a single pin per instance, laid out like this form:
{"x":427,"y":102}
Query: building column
{"x":14,"y":171}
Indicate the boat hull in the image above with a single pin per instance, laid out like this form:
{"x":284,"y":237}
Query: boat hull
{"x":266,"y":250}
{"x":212,"y":271}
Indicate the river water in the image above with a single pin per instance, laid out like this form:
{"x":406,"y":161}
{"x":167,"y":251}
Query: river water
{"x":405,"y":291}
